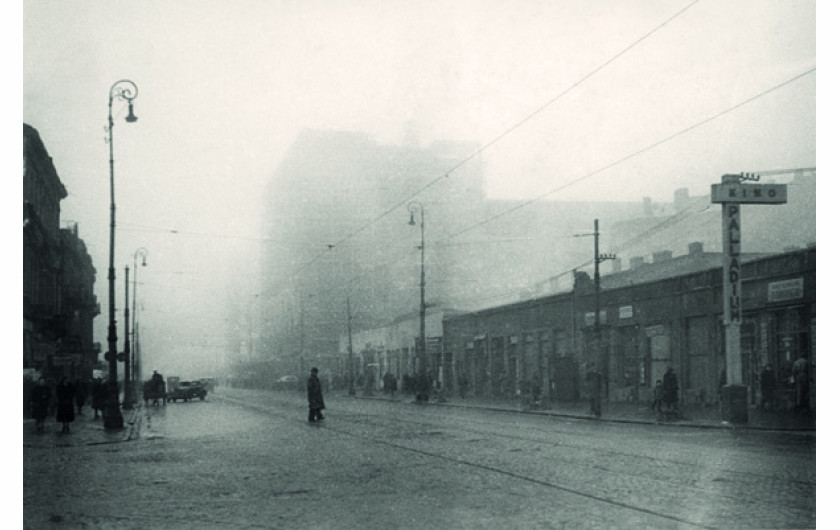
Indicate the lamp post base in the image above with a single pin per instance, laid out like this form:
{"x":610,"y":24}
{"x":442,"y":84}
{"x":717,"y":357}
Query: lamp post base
{"x":734,"y":403}
{"x":112,"y":418}
{"x":128,"y":399}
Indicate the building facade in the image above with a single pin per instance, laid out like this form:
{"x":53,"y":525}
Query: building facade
{"x":394,"y":348}
{"x":58,"y":275}
{"x":648,"y":322}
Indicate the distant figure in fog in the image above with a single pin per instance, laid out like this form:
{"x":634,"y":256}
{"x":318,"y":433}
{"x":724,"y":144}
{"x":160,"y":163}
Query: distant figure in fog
{"x":768,"y":387}
{"x":800,"y":381}
{"x":670,"y":389}
{"x":99,"y":397}
{"x":39,"y":401}
{"x":463,"y":383}
{"x":389,"y":383}
{"x":65,"y":394}
{"x":81,"y":395}
{"x":536,"y":388}
{"x":593,"y":378}
{"x":658,"y":392}
{"x":422,"y":385}
{"x":315,"y":397}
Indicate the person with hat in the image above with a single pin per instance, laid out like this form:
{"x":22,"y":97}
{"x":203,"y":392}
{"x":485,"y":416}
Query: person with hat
{"x":316,"y":398}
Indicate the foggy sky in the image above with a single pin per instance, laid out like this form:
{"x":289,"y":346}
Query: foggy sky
{"x":225,"y":87}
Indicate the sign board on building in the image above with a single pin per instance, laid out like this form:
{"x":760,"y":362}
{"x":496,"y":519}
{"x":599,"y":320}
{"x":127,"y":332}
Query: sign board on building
{"x":732,"y":263}
{"x":786,"y":290}
{"x":589,"y":318}
{"x":43,"y":350}
{"x":653,"y":331}
{"x":65,"y":360}
{"x":750,"y":193}
{"x":625,"y":311}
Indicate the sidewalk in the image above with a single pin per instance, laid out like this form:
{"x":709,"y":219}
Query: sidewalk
{"x":83,"y":431}
{"x":641,"y":413}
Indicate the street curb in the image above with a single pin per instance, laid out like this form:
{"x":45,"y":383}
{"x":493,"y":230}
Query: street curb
{"x":721,"y":425}
{"x":132,"y":426}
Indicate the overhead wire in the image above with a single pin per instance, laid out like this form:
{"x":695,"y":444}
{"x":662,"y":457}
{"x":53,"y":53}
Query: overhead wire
{"x":635,"y":153}
{"x":631,"y":156}
{"x":665,"y":223}
{"x":609,"y":166}
{"x":506,"y":132}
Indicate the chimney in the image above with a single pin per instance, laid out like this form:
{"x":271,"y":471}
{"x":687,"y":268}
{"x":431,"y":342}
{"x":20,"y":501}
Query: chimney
{"x":663,"y":255}
{"x":616,"y":265}
{"x":695,"y":249}
{"x":636,"y":262}
{"x":648,"y":207}
{"x":681,"y":198}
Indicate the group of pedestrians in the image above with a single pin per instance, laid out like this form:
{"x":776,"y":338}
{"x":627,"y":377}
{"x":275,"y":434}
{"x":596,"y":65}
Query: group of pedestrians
{"x":666,"y":392}
{"x":65,"y":401}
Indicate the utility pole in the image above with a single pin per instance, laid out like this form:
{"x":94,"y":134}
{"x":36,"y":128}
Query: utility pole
{"x":416,"y":206}
{"x":351,"y":391}
{"x":604,"y":358}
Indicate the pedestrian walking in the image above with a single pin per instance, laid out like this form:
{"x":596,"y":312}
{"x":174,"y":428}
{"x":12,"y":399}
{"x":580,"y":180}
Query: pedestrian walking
{"x":658,"y":393}
{"x":158,"y":388}
{"x":593,"y":377}
{"x":422,"y":386}
{"x":389,"y":382}
{"x":800,"y":382}
{"x":315,"y":397}
{"x":463,"y":383}
{"x":65,"y":394}
{"x":536,"y":389}
{"x":81,"y":395}
{"x":39,"y":403}
{"x":670,"y":389}
{"x":768,"y":388}
{"x":99,"y":396}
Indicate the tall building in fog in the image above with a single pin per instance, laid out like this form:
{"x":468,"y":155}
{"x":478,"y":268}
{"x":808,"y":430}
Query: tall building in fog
{"x":336,"y":233}
{"x":335,"y":229}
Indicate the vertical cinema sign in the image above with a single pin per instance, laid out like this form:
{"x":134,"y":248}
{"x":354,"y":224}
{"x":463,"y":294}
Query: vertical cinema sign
{"x":732,"y":263}
{"x":731,"y":193}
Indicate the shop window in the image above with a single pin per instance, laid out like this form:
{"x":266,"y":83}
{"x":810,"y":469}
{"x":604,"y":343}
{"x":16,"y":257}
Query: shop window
{"x":631,"y":366}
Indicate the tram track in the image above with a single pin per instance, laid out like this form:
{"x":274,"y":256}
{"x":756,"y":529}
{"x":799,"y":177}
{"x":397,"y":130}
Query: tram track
{"x":348,"y":423}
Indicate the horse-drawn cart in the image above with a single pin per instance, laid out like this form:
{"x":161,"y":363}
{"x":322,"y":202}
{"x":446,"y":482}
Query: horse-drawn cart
{"x":154,"y":391}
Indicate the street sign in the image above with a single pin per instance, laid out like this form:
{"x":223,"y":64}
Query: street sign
{"x":750,"y":193}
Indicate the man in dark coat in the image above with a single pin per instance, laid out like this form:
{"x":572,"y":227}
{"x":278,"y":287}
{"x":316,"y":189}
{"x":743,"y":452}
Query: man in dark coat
{"x":593,"y":378}
{"x":389,"y":383}
{"x":768,"y":387}
{"x":670,"y":389}
{"x":39,"y":401}
{"x":81,"y":394}
{"x":315,"y":397}
{"x":65,"y":394}
{"x":99,"y":397}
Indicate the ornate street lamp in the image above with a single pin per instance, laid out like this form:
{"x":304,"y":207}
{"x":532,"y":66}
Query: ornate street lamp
{"x":415,"y":206}
{"x":111,"y":415}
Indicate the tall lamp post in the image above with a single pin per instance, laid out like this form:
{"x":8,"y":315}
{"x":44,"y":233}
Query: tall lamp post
{"x":350,"y":390}
{"x":415,"y":206}
{"x":111,"y":415}
{"x":134,"y":364}
{"x":128,"y":394}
